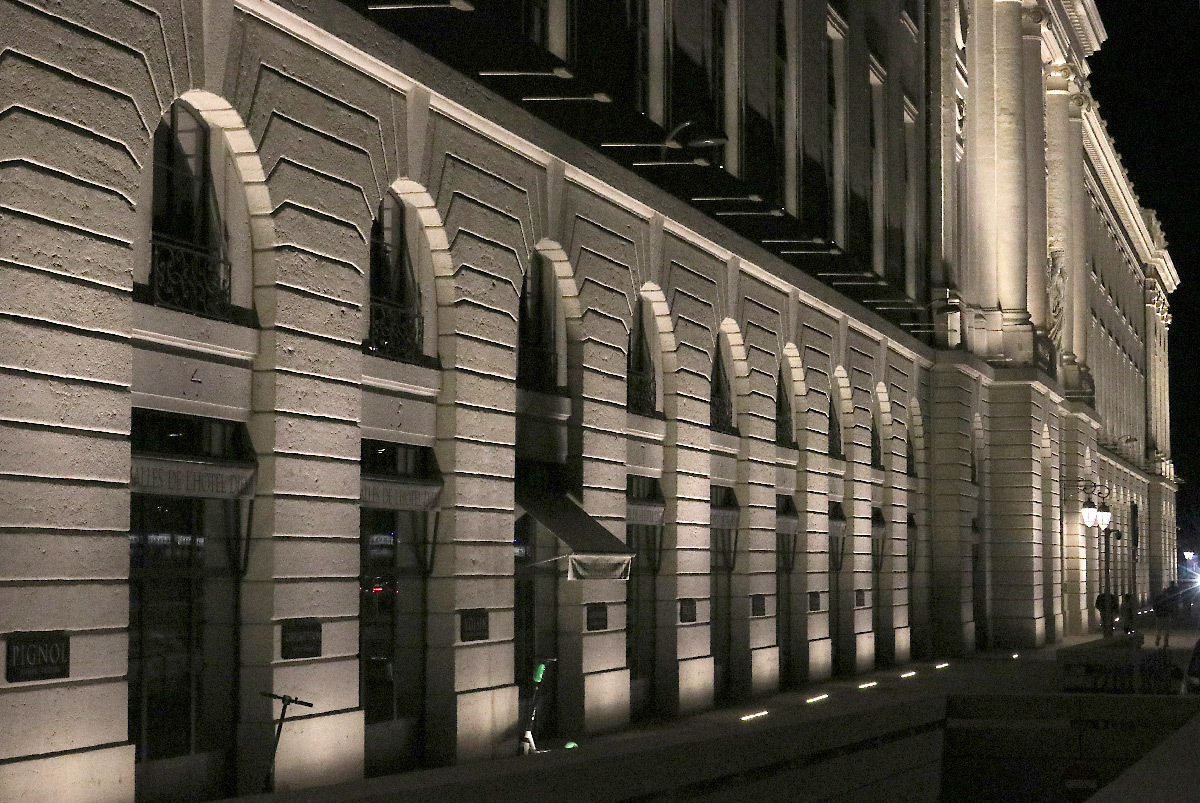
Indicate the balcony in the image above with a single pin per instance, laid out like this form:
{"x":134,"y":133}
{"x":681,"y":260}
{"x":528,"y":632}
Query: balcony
{"x":537,"y":368}
{"x":396,"y":332}
{"x":189,"y":278}
{"x":642,"y":393}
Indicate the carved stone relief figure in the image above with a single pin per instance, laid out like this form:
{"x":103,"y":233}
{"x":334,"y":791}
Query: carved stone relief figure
{"x":1056,"y":284}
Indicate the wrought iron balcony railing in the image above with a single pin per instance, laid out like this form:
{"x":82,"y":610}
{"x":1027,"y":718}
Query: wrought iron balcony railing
{"x":189,"y":278}
{"x":396,"y":332}
{"x":642,"y":393}
{"x":721,"y":417}
{"x":537,"y":367}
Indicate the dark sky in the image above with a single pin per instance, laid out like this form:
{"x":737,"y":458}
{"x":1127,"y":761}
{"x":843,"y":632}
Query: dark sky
{"x":1146,"y":77}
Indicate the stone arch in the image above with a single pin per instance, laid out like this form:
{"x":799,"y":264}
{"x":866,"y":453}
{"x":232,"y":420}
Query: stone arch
{"x":883,"y":423}
{"x":792,"y":365}
{"x":568,"y":317}
{"x":663,"y":347}
{"x":842,"y":396}
{"x":431,"y":259}
{"x":916,"y":435}
{"x":252,"y":255}
{"x":733,"y":352}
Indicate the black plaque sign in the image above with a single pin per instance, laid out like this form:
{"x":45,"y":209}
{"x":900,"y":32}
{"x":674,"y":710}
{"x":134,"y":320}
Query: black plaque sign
{"x":42,"y":655}
{"x":300,"y":638}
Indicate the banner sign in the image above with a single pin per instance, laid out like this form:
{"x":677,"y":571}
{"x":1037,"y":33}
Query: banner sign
{"x":399,"y":494}
{"x":646,"y":513}
{"x":166,"y":476}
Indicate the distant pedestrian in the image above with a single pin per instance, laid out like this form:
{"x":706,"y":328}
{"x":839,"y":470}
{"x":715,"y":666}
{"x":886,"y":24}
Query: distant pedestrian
{"x":1192,"y":678}
{"x":1166,"y":604}
{"x":1106,"y":606}
{"x":1127,"y":613}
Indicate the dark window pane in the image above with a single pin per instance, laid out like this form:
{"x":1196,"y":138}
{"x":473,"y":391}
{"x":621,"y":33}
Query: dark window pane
{"x":597,"y":616}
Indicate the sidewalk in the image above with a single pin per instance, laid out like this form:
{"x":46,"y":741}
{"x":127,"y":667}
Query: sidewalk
{"x":785,"y":734}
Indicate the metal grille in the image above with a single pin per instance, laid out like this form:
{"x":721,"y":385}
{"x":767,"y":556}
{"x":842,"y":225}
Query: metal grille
{"x":189,"y":278}
{"x":784,"y":426}
{"x":720,"y":407}
{"x":396,"y":332}
{"x":537,"y":367}
{"x":641,"y":392}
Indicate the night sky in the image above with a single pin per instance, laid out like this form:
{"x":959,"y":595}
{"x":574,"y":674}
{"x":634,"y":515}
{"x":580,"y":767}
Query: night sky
{"x":1146,"y":78}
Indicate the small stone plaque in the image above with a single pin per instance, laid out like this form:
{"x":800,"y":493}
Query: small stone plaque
{"x":42,"y":655}
{"x":300,"y":638}
{"x":687,"y":611}
{"x":597,"y":616}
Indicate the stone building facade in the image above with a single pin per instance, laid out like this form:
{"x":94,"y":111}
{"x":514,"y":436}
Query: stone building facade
{"x":706,"y":349}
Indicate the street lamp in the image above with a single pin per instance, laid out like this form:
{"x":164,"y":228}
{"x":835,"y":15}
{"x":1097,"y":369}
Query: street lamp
{"x":1094,"y":515}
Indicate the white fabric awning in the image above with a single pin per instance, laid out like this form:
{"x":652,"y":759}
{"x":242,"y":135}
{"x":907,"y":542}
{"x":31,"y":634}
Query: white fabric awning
{"x":596,"y":554}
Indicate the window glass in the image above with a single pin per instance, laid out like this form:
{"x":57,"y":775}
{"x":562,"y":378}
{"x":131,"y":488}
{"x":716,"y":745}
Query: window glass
{"x":183,"y":630}
{"x":391,"y":609}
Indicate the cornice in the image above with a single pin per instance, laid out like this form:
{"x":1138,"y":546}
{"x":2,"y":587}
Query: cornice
{"x":1119,"y":194}
{"x":1085,"y":19}
{"x":1073,"y":31}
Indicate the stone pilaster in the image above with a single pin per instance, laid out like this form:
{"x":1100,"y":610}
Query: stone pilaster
{"x":1016,"y":477}
{"x":1035,"y":165}
{"x":1011,"y":202}
{"x":1078,"y":278}
{"x":953,"y":503}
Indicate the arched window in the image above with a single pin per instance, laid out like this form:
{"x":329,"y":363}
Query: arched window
{"x":876,"y":444}
{"x":835,"y":429}
{"x":720,"y":403}
{"x":910,"y":455}
{"x":640,"y":385}
{"x":785,"y":432}
{"x":537,"y":359}
{"x":396,"y":329}
{"x":189,"y":269}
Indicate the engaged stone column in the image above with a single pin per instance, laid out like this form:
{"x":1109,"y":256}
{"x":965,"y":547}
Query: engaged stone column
{"x":1080,"y":101}
{"x":1059,"y":204}
{"x":1035,"y":166}
{"x":1010,"y":202}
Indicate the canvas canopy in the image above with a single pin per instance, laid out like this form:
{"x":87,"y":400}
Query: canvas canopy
{"x":596,"y":554}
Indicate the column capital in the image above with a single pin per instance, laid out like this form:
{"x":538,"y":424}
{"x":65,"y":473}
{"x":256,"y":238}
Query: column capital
{"x":1032,"y":16}
{"x":1082,"y":100}
{"x":1062,"y":77}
